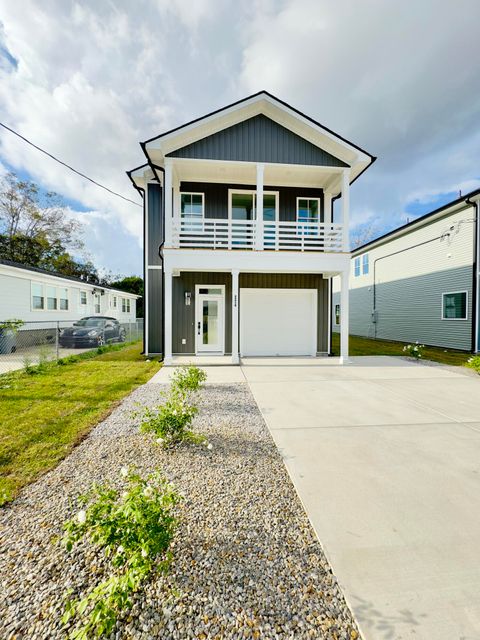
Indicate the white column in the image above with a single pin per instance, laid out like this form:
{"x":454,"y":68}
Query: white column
{"x":176,"y":210}
{"x":344,"y":316}
{"x":235,"y":306}
{"x":346,"y":209}
{"x":327,"y":207}
{"x":259,"y":213}
{"x":168,"y":203}
{"x":167,"y":356}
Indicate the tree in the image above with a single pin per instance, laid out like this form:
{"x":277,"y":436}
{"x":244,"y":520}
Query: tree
{"x":132,"y":284}
{"x":363,"y":233}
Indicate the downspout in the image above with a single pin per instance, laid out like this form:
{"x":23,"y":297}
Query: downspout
{"x":476,"y":277}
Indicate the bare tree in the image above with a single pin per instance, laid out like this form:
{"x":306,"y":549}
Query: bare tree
{"x":26,"y":211}
{"x":363,"y":234}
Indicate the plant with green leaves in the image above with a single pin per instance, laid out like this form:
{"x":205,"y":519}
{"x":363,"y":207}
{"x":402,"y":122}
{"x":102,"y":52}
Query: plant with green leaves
{"x":474,"y":363}
{"x":414,"y":350}
{"x":133,"y":527}
{"x":171,"y":421}
{"x":188,"y":379}
{"x":13,"y":324}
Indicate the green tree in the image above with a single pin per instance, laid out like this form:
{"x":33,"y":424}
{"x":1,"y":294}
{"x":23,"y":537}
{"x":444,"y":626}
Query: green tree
{"x":132,"y":284}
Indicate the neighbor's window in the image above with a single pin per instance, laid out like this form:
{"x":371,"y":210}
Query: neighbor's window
{"x":83,"y":297}
{"x":38,"y":301}
{"x":125,"y":305}
{"x":357,"y":267}
{"x":337,"y":314}
{"x":454,"y":305}
{"x":63,"y":295}
{"x":128,"y":305}
{"x":51,"y":298}
{"x":365,"y":265}
{"x":97,"y":303}
{"x":191,"y":209}
{"x":114,"y":302}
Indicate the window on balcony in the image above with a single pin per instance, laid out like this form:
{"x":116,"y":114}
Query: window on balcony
{"x":192,"y":211}
{"x":308,"y":211}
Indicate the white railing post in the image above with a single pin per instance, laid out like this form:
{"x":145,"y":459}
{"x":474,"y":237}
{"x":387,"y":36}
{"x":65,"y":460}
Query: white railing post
{"x":346,"y":209}
{"x":235,"y":293}
{"x":168,"y":202}
{"x":259,"y":212}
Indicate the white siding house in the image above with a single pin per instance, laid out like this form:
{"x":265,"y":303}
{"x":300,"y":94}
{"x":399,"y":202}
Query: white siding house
{"x":35,"y":295}
{"x":419,"y":282}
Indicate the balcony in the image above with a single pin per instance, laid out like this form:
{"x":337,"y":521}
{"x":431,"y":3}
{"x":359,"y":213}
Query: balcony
{"x":243,"y":235}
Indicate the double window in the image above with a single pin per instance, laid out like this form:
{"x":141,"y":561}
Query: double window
{"x":48,"y":298}
{"x":125,"y":305}
{"x":455,"y":305}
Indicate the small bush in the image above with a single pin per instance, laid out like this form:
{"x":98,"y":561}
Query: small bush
{"x":134,"y":528}
{"x":414,"y":350}
{"x":188,"y":379}
{"x":474,"y":363}
{"x":170,"y":422}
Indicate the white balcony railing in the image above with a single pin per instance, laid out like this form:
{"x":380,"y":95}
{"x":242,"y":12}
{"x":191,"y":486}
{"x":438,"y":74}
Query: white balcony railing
{"x":248,"y":234}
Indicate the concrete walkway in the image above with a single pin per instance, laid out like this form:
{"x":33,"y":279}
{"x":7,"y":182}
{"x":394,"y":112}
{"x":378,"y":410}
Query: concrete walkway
{"x":385,"y":455}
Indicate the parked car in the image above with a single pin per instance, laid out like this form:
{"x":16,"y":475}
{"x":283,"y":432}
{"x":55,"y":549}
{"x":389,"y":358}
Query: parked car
{"x":93,"y":331}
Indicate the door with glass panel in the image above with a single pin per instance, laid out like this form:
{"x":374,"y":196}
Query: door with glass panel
{"x":210,"y":319}
{"x":243,"y":207}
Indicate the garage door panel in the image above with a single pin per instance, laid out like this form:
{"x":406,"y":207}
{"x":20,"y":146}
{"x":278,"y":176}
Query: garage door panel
{"x":278,"y":322}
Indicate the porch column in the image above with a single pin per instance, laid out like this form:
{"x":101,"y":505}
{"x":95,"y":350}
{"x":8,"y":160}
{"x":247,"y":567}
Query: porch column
{"x":259,"y":216}
{"x":168,"y":202}
{"x":167,"y":356}
{"x":346,"y":209}
{"x":327,"y":207}
{"x":235,"y":299}
{"x":344,"y":316}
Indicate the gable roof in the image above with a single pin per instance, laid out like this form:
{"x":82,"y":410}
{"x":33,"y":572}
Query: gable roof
{"x":280,"y":112}
{"x":411,"y":226}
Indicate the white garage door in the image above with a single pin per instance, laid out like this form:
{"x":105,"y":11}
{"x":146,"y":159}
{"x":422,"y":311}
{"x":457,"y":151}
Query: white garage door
{"x":278,"y":322}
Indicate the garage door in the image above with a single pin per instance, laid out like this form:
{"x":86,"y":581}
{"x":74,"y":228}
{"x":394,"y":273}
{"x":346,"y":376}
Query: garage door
{"x":278,"y":322}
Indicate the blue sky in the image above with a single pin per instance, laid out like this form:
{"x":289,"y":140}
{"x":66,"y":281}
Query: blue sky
{"x":400,"y":80}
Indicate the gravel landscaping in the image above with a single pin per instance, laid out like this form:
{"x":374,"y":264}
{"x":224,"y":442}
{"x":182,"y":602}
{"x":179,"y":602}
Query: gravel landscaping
{"x":246,"y":561}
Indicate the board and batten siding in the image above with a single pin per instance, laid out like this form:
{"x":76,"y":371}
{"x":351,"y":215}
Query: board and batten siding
{"x":258,"y":139}
{"x":295,"y":281}
{"x":411,"y":274}
{"x":216,"y":198}
{"x":154,"y":320}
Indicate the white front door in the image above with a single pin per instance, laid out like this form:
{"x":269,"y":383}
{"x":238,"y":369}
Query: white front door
{"x":210,"y":319}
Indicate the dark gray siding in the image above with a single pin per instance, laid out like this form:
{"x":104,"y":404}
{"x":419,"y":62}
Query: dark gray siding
{"x":184,"y":316}
{"x":216,"y":198}
{"x":258,"y":139}
{"x":155,"y":223}
{"x":154,"y":311}
{"x":296,"y":281}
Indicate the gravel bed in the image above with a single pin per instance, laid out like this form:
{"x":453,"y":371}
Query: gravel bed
{"x":246,"y":561}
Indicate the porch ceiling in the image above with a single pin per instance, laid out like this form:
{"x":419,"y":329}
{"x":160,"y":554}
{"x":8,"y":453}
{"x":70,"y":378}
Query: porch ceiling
{"x":327,"y":178}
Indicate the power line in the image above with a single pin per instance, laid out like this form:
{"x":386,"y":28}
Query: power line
{"x":119,"y":195}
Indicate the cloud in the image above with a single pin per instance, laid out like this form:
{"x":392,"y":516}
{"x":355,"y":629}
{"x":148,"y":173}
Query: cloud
{"x":88,"y":80}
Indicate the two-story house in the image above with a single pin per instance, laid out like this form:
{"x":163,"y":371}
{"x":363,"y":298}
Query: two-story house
{"x":240,"y":240}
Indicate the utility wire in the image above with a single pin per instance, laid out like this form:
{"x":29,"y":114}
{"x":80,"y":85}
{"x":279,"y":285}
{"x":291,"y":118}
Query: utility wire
{"x":119,"y":195}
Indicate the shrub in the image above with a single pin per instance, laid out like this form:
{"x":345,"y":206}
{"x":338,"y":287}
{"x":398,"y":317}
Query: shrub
{"x":414,"y":350}
{"x":474,"y":363}
{"x":188,"y":379}
{"x":170,"y":422}
{"x":134,"y":528}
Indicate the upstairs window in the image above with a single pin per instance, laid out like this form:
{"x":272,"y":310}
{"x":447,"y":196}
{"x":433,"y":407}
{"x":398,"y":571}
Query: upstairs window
{"x":365,"y":265}
{"x":192,"y":210}
{"x":308,"y":210}
{"x":356,"y":267}
{"x":454,"y":305}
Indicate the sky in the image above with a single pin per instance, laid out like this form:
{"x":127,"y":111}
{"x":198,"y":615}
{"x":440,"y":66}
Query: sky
{"x":88,"y":80}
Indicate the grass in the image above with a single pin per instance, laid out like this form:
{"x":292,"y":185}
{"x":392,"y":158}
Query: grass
{"x":45,"y":413}
{"x":360,"y":346}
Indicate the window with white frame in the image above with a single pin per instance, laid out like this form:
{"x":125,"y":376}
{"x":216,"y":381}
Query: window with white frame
{"x":365,"y":264}
{"x":125,"y":305}
{"x":51,"y":298}
{"x":38,"y":298}
{"x":308,"y":211}
{"x":63,"y":299}
{"x":114,"y":302}
{"x":96,"y":303}
{"x":337,"y":314}
{"x":455,"y":305}
{"x":192,"y":210}
{"x":83,"y":298}
{"x":356,"y":267}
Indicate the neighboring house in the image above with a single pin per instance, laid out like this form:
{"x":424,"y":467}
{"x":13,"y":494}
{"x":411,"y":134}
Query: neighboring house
{"x":420,"y":281}
{"x":34,"y":295}
{"x":240,"y":244}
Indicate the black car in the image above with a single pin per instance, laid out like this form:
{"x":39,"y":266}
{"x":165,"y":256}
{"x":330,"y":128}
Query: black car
{"x":93,"y":331}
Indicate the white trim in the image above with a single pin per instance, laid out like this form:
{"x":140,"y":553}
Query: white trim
{"x":329,"y":322}
{"x":220,"y":297}
{"x":235,"y":312}
{"x":449,"y":293}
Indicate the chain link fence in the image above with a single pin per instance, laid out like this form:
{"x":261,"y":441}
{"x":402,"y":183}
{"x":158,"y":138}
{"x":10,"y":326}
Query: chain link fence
{"x":32,"y":343}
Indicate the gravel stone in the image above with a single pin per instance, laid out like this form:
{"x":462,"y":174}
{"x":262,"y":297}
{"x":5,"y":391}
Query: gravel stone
{"x":246,"y":562}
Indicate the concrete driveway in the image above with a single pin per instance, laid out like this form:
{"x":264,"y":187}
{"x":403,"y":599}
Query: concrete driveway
{"x":385,"y":455}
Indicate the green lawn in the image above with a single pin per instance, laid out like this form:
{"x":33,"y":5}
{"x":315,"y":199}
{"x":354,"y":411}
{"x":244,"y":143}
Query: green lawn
{"x":43,"y":415}
{"x":360,"y":346}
